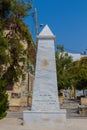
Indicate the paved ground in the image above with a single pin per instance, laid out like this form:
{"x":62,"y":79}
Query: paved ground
{"x":16,"y":124}
{"x":70,"y":105}
{"x":72,"y":109}
{"x":74,"y":120}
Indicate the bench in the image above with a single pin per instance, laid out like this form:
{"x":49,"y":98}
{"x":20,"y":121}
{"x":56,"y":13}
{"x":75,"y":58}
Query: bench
{"x":82,"y":109}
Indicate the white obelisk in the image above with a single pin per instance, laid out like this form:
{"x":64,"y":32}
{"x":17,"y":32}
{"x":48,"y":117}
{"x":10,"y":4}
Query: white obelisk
{"x":45,"y":94}
{"x":45,"y":109}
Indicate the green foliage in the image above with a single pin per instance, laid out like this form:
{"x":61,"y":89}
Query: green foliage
{"x":15,"y":41}
{"x":15,"y":50}
{"x":3,"y":98}
{"x":60,"y":48}
{"x":3,"y":54}
{"x":70,"y":73}
{"x":78,"y":70}
{"x":62,"y":63}
{"x":5,"y":7}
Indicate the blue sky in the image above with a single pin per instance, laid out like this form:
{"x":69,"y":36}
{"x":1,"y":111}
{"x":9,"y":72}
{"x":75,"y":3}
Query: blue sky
{"x":66,"y":18}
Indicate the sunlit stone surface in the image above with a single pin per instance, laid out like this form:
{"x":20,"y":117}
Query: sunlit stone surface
{"x":45,"y":109}
{"x":45,"y":94}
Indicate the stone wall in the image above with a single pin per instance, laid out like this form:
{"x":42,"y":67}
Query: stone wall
{"x":18,"y":97}
{"x":83,"y":101}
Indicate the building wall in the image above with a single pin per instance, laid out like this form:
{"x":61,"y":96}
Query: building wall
{"x":18,"y":97}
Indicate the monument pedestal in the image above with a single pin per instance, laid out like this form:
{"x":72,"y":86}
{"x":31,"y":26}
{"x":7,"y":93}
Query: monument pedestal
{"x":43,"y":118}
{"x":45,"y":110}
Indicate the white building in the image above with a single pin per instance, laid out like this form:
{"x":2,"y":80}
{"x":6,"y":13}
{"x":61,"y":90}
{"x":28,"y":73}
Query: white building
{"x":76,"y":56}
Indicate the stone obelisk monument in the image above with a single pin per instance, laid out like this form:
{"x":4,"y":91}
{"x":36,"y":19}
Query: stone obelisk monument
{"x":45,"y":109}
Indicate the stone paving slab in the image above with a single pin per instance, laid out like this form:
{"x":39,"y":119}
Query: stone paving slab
{"x":14,"y":123}
{"x":72,"y":109}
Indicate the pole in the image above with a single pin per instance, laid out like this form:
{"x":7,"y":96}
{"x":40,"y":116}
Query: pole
{"x":36,"y":23}
{"x":28,"y":76}
{"x":28,"y":92}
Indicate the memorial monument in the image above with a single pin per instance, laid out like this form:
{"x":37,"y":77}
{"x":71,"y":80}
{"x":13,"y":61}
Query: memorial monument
{"x":45,"y":110}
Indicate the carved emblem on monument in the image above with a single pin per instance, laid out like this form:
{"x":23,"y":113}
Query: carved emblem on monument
{"x":44,"y":63}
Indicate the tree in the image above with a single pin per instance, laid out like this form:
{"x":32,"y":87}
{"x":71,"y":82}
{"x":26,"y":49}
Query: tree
{"x":15,"y":40}
{"x":78,"y":70}
{"x":3,"y":99}
{"x":3,"y":63}
{"x":62,"y":62}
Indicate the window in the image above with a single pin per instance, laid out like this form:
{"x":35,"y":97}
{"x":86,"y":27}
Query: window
{"x":15,"y":95}
{"x":10,"y":87}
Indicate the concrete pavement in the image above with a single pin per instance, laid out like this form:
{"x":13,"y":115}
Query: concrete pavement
{"x":74,"y":120}
{"x":17,"y":124}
